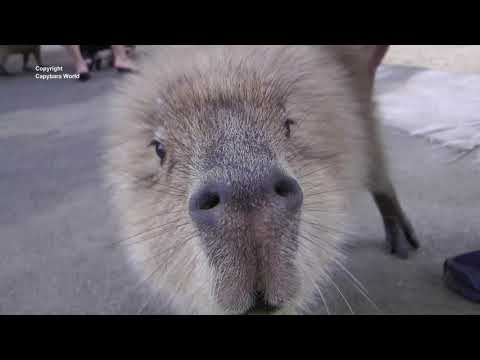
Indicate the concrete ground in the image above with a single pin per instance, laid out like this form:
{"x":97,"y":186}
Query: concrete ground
{"x":56,"y":227}
{"x":454,"y":58}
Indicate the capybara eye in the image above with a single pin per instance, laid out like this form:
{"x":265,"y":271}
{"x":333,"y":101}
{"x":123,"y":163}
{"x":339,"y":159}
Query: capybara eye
{"x":159,"y":149}
{"x":288,"y":123}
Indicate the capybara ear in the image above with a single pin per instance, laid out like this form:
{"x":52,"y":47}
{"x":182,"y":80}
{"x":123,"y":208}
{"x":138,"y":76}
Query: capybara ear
{"x":372,"y":54}
{"x":363,"y":59}
{"x":357,"y":54}
{"x":376,"y":58}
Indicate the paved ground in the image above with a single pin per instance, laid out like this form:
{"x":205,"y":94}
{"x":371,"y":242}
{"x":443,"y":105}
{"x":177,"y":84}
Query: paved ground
{"x":454,"y":58}
{"x":56,"y":227}
{"x":438,"y":105}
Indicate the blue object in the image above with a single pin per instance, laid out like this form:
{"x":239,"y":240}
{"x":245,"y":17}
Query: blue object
{"x":462,"y":275}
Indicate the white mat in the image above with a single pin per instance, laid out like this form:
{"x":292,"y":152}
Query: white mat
{"x":440,"y":106}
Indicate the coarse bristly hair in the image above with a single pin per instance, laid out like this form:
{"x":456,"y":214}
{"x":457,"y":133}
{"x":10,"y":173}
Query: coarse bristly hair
{"x":233,"y":101}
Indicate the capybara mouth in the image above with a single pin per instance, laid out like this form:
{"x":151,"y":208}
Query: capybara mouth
{"x":269,"y":311}
{"x":262,"y":307}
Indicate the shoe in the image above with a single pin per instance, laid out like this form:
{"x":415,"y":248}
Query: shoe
{"x":462,"y":275}
{"x":85,"y":76}
{"x":125,"y":70}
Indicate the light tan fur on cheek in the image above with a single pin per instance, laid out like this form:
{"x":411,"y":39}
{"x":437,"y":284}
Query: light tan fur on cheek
{"x":167,"y":255}
{"x":157,"y":237}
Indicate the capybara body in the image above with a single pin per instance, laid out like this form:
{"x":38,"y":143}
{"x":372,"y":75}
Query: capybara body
{"x":233,"y":169}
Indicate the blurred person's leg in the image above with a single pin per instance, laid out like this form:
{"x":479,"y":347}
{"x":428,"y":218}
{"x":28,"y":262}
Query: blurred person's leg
{"x":121,"y":60}
{"x":37,"y":54}
{"x":3,"y":60}
{"x":80,"y":64}
{"x":130,"y":49}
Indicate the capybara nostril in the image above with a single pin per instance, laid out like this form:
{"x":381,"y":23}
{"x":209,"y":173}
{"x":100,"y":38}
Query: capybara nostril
{"x":208,"y":200}
{"x":207,"y":203}
{"x":288,"y":189}
{"x":284,"y":187}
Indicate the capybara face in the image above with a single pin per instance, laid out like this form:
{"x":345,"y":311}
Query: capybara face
{"x":232,"y":168}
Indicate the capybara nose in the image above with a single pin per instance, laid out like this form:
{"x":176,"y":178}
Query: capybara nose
{"x":276,"y":189}
{"x":207,"y":204}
